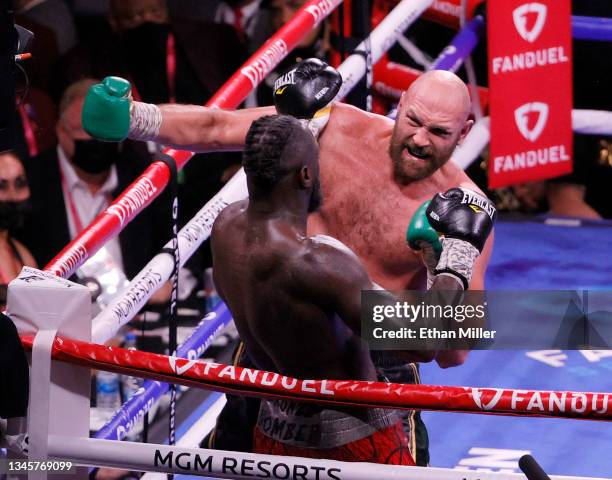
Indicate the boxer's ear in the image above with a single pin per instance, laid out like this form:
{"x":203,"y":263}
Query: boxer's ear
{"x":402,"y":100}
{"x":305,"y":177}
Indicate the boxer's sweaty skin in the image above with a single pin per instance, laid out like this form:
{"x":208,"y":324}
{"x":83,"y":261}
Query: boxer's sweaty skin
{"x":286,"y":292}
{"x":365,"y":207}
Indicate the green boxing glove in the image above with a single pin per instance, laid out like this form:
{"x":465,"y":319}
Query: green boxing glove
{"x":421,"y":236}
{"x":106,"y":112}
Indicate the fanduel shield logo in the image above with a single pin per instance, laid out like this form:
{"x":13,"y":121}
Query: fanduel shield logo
{"x":180,"y":369}
{"x":477,"y":394}
{"x":520,"y":16}
{"x":521,"y":117}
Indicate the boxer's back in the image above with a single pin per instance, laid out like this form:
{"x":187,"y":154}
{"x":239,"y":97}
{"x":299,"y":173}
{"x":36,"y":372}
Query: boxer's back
{"x":364,"y":207}
{"x":265,"y":276}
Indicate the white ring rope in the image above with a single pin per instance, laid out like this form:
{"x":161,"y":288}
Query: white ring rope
{"x":223,"y":464}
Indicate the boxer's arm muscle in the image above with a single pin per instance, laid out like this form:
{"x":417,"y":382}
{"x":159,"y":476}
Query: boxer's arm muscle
{"x":333,"y":279}
{"x":202,"y":129}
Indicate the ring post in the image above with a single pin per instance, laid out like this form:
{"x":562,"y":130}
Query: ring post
{"x":45,"y":305}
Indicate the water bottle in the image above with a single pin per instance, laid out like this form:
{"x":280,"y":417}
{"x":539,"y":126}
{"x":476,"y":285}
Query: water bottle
{"x":212,"y":297}
{"x":107,"y":391}
{"x":130,"y":385}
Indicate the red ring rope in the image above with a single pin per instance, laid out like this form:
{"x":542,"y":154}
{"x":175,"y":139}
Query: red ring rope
{"x":580,"y":405}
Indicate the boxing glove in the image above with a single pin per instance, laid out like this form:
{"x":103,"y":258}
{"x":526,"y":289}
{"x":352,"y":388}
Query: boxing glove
{"x":421,"y":237}
{"x":106,"y":111}
{"x":465,"y":219}
{"x":306,"y":90}
{"x":420,"y":233}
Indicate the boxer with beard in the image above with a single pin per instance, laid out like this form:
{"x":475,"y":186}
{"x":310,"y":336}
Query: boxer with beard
{"x":375,"y":172}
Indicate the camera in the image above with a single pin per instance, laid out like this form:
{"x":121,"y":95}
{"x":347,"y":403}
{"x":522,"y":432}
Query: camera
{"x":14,"y":43}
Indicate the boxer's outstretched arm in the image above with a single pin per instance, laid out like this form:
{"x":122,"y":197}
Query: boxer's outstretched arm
{"x":110,"y":114}
{"x":202,"y":129}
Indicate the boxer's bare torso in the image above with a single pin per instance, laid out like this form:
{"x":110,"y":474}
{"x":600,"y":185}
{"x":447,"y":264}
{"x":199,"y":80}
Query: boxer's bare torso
{"x":296,"y":313}
{"x":364,"y":206}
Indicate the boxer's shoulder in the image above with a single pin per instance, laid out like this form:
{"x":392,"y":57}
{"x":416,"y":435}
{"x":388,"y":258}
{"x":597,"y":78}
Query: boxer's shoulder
{"x":322,"y":253}
{"x":353,"y":120}
{"x":229,"y":213}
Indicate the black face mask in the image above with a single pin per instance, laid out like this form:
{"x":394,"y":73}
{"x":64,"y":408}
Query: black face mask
{"x":93,"y":156}
{"x":12,"y":214}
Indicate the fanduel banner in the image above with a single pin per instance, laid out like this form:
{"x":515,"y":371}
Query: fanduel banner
{"x":530,"y":81}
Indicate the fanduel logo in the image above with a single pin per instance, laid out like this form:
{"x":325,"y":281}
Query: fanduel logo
{"x":77,"y":257}
{"x":130,"y":203}
{"x":521,"y":117}
{"x":477,"y":394}
{"x":265,"y":63}
{"x":178,"y":369}
{"x":520,"y":16}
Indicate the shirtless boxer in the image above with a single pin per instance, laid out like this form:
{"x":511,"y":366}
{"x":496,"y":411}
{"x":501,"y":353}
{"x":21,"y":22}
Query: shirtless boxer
{"x":375,"y":172}
{"x":295,"y":297}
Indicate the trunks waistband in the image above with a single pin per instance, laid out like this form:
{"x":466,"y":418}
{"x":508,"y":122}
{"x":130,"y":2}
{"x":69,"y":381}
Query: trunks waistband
{"x":311,"y":426}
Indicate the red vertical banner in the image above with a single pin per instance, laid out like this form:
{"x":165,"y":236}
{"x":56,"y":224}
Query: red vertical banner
{"x":530,"y":86}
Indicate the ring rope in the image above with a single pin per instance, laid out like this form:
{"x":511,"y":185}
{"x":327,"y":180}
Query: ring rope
{"x":224,"y":464}
{"x":245,"y":381}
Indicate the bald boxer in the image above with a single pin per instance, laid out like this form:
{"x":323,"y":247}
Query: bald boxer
{"x":295,"y":297}
{"x":375,"y":172}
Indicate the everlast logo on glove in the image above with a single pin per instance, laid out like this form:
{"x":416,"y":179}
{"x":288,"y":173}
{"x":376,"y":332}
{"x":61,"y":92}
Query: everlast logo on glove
{"x":475,"y":202}
{"x":463,"y":214}
{"x":286,"y":79}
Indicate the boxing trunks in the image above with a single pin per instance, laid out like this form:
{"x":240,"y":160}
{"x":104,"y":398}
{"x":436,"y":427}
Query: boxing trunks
{"x":357,"y":435}
{"x":237,"y":420}
{"x":393,"y":370}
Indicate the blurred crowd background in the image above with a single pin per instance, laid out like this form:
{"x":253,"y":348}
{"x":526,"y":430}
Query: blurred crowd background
{"x":58,"y":179}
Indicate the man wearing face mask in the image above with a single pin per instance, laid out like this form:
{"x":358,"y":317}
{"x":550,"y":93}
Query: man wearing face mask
{"x":170,"y":59}
{"x":72,"y":183}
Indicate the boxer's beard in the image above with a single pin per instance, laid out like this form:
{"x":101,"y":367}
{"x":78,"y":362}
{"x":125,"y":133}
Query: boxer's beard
{"x":316,"y":197}
{"x":411,"y":163}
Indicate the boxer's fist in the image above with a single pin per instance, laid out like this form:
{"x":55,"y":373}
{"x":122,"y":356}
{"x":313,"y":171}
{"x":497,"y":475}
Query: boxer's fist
{"x":462,"y":214}
{"x":106,"y":112}
{"x":306,"y":90}
{"x":424,"y":239}
{"x":465,"y":219}
{"x":420,"y":233}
